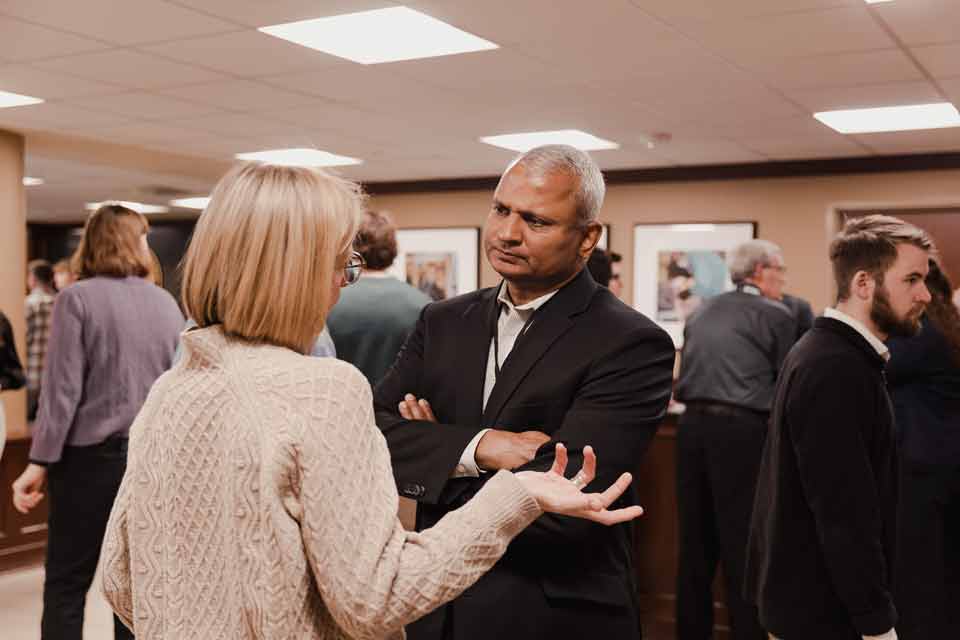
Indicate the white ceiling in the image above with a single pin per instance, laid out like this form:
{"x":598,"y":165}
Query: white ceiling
{"x":732,"y":81}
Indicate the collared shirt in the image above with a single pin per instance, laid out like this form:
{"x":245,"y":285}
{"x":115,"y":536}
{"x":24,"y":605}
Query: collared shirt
{"x":38,"y":310}
{"x":510,"y":324}
{"x":874,"y":341}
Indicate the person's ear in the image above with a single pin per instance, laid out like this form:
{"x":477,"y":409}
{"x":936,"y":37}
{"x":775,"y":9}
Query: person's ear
{"x":863,"y":285}
{"x":591,"y":236}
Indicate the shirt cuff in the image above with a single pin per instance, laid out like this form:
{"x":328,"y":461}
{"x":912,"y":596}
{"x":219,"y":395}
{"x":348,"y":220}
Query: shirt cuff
{"x":467,"y":467}
{"x":889,"y":635}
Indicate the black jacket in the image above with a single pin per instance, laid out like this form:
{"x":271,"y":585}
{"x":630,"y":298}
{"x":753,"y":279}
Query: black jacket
{"x":11,"y":369}
{"x":590,"y":370}
{"x":822,"y":534}
{"x":925,"y":386}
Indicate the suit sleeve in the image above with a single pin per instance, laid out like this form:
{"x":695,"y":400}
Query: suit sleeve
{"x":839,"y":484}
{"x":617,"y":410}
{"x":424,"y":454}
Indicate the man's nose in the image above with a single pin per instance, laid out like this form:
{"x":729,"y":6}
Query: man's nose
{"x":924,"y":294}
{"x":510,"y":230}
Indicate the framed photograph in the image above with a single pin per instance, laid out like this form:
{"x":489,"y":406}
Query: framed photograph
{"x":604,"y":240}
{"x":678,"y":266}
{"x":442,"y":262}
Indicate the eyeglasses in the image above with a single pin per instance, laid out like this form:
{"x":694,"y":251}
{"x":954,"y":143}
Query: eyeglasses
{"x":353,"y":269}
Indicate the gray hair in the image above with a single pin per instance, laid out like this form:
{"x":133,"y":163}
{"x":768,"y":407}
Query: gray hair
{"x":746,"y":257}
{"x":560,"y":158}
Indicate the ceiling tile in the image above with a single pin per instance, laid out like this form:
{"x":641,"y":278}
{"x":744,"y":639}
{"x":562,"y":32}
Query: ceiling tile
{"x":941,"y":61}
{"x":792,"y":35}
{"x":144,"y":132}
{"x":837,"y":70}
{"x":51,"y":116}
{"x":145,"y":106}
{"x":122,"y":23}
{"x":792,"y":148}
{"x":952,"y":87}
{"x":244,"y":54}
{"x":130,"y":69}
{"x":22,"y":41}
{"x":706,"y":151}
{"x":257,"y":13}
{"x":918,"y":22}
{"x":930,"y":140}
{"x":240,"y":95}
{"x":877,"y":95}
{"x":242,"y":125}
{"x":679,"y":11}
{"x":31,"y":81}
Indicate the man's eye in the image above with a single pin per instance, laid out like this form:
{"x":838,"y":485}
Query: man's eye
{"x":536,"y":223}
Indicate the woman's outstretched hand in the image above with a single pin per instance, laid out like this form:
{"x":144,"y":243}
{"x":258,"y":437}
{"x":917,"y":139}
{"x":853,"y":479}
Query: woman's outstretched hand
{"x":555,"y":494}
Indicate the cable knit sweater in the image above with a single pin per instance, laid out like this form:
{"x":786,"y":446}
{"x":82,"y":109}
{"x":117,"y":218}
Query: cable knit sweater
{"x":259,"y":502}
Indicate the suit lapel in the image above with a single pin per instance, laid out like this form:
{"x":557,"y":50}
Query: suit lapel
{"x":552,"y":320}
{"x":471,"y":357}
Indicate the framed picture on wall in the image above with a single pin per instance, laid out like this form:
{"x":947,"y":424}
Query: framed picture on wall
{"x":678,"y":266}
{"x":441,"y":262}
{"x":604,"y":240}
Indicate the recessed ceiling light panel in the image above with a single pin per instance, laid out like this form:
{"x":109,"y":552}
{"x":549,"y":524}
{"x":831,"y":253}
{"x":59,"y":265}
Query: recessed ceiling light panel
{"x":912,"y":117}
{"x":191,"y":203}
{"x":299,"y":158}
{"x":139,"y":207}
{"x":32,"y":182}
{"x":525,"y":141}
{"x":876,"y":1}
{"x":8,"y":99}
{"x":382,"y":35}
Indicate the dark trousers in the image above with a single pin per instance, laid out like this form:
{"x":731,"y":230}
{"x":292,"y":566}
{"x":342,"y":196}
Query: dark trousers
{"x":81,"y":488}
{"x":718,"y":459}
{"x":927,"y":575}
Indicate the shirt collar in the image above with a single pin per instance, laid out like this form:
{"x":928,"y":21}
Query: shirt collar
{"x":874,"y":341}
{"x":752,"y":289}
{"x":504,"y":298}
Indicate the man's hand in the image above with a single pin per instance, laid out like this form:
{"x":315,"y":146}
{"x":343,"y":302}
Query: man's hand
{"x":27,"y":488}
{"x":413,"y":409}
{"x":507,"y":450}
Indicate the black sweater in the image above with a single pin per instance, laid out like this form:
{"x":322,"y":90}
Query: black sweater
{"x":822,"y":533}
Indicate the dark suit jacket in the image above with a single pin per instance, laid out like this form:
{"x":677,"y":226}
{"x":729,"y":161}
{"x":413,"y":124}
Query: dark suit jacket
{"x":590,"y":370}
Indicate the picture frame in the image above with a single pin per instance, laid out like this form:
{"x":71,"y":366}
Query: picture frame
{"x":678,"y":266}
{"x":443,"y":262}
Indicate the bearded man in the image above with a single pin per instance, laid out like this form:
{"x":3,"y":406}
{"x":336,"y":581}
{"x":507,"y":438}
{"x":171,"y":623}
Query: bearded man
{"x":822,"y":533}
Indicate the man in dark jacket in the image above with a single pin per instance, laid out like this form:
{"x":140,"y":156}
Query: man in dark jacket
{"x":822,"y":534}
{"x":492,"y":379}
{"x":733,"y":347}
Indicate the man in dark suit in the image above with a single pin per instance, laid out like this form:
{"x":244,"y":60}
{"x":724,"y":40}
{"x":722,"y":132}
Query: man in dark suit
{"x":492,"y":379}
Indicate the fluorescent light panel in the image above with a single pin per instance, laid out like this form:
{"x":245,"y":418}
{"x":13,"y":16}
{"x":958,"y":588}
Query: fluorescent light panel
{"x":938,"y":115}
{"x":525,"y":141}
{"x":382,"y":35}
{"x":191,"y":203}
{"x":32,"y":182}
{"x":8,"y":99}
{"x":139,"y":207}
{"x":877,"y":1}
{"x":299,"y":158}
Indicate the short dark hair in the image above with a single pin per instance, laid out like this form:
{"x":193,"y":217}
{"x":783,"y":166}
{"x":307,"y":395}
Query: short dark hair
{"x":599,"y":266}
{"x":377,"y":240}
{"x":42,"y":271}
{"x":870,"y":244}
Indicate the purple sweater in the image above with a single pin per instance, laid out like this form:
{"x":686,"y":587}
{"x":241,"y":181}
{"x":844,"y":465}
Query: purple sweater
{"x":110,"y":339}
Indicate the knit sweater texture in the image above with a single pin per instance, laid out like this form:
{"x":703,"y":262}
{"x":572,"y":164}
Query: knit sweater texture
{"x":259,"y":502}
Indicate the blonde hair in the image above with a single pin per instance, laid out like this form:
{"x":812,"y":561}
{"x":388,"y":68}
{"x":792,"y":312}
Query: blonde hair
{"x":262,"y":258}
{"x":111,"y":244}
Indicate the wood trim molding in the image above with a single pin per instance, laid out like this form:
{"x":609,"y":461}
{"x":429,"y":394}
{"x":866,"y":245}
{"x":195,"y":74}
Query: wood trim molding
{"x":777,"y":169}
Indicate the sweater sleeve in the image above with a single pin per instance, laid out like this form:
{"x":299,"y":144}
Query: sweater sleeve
{"x":373,"y":575}
{"x":828,"y":417}
{"x":66,"y":362}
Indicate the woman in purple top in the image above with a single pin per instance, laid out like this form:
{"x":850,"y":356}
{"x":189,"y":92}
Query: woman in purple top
{"x":113,"y":333}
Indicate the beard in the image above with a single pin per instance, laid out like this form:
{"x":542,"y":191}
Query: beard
{"x":887,"y":320}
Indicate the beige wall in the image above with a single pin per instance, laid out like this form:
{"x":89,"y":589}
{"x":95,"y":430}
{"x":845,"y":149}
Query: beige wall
{"x":796,"y":213}
{"x":13,"y":263}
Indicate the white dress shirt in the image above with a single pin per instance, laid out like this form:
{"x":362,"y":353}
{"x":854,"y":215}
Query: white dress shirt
{"x":510,"y":324}
{"x":874,"y":341}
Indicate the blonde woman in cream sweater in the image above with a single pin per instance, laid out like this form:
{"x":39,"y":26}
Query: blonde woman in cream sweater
{"x":258,"y":500}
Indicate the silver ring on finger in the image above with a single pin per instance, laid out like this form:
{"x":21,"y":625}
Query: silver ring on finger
{"x":579,"y":481}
